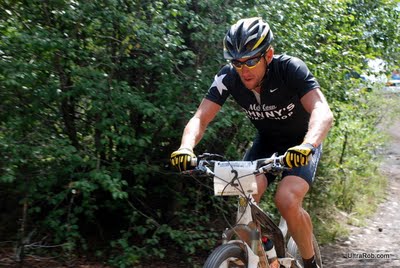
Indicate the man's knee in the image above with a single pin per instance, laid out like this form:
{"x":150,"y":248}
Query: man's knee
{"x":289,"y":196}
{"x":287,"y":204}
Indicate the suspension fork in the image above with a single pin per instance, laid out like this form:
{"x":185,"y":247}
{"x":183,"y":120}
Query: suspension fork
{"x":248,"y":231}
{"x":249,"y":237}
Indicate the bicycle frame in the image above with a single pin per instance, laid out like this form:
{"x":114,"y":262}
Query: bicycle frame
{"x":238,"y":178}
{"x":250,"y":220}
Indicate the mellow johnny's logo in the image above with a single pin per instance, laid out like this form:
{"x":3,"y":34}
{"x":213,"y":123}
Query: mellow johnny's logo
{"x":259,"y":112}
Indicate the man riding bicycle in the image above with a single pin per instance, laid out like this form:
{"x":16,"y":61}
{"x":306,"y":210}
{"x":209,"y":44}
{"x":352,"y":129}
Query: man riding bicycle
{"x":284,"y":102}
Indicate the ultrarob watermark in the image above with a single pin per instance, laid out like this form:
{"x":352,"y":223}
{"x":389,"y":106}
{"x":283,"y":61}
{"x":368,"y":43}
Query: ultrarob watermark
{"x":365,"y":255}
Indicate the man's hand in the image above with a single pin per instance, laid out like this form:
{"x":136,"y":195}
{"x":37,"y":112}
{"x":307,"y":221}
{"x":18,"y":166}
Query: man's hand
{"x":182,"y":159}
{"x":298,"y":155}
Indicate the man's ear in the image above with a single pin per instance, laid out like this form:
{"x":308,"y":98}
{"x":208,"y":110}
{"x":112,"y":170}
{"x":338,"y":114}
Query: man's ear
{"x":270,"y":55}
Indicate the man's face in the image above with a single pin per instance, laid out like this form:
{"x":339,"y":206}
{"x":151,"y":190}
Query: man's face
{"x":251,"y":71}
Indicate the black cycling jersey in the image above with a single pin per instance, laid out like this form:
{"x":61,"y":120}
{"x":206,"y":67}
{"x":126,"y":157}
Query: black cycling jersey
{"x":279,"y":117}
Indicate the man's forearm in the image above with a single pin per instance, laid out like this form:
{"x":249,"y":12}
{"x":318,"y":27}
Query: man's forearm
{"x":192,"y":133}
{"x":320,"y":123}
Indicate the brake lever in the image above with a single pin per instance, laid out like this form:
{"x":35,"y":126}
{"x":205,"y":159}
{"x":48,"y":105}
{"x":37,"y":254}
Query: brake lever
{"x":207,"y":156}
{"x":198,"y":171}
{"x":272,"y":165}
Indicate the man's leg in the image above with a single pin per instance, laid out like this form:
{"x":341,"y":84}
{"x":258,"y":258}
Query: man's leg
{"x":262,"y":185}
{"x":289,"y":197}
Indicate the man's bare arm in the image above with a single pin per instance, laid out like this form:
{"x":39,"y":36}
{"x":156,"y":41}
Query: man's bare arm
{"x":197,"y":125}
{"x":321,"y":116}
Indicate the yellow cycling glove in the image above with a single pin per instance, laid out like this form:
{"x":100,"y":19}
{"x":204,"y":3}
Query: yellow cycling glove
{"x":183,"y":159}
{"x":298,"y":155}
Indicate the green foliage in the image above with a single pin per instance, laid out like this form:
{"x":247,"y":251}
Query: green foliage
{"x":349,"y":178}
{"x":94,"y":96}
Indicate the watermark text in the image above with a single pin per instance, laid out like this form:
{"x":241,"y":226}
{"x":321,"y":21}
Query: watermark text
{"x":366,"y":255}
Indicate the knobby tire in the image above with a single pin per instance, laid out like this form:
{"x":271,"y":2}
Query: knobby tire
{"x":295,"y":253}
{"x":225,"y":252}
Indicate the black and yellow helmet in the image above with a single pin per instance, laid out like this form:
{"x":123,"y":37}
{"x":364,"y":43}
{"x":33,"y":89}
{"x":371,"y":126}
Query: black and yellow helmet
{"x":246,"y":38}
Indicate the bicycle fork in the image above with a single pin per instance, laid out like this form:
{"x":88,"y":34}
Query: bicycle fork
{"x":249,"y":239}
{"x":248,"y":234}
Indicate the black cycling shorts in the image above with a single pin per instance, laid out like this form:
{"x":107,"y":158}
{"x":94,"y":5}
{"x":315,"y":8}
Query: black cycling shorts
{"x":305,"y":172}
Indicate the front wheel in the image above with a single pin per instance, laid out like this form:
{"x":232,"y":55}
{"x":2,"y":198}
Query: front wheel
{"x":295,"y":253}
{"x":227,"y":256}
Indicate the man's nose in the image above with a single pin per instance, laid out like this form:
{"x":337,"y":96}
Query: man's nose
{"x":245,"y":69}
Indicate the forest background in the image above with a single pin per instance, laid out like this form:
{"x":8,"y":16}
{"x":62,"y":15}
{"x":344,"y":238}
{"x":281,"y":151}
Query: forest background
{"x":94,"y":96}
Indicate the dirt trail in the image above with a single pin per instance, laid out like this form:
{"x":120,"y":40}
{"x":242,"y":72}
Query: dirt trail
{"x":378,"y":243}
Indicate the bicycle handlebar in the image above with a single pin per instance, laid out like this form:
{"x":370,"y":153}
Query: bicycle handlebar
{"x":207,"y":161}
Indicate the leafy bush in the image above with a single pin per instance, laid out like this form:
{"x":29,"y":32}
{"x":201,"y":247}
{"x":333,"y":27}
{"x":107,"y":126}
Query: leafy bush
{"x":95,"y":95}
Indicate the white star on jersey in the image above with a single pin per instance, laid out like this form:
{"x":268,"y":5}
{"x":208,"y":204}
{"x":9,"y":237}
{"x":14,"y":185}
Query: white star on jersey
{"x":218,"y":83}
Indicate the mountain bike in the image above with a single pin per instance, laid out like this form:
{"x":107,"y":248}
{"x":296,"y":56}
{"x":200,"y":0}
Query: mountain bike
{"x":243,"y":242}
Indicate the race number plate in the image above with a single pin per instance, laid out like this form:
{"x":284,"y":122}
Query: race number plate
{"x":226,"y":171}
